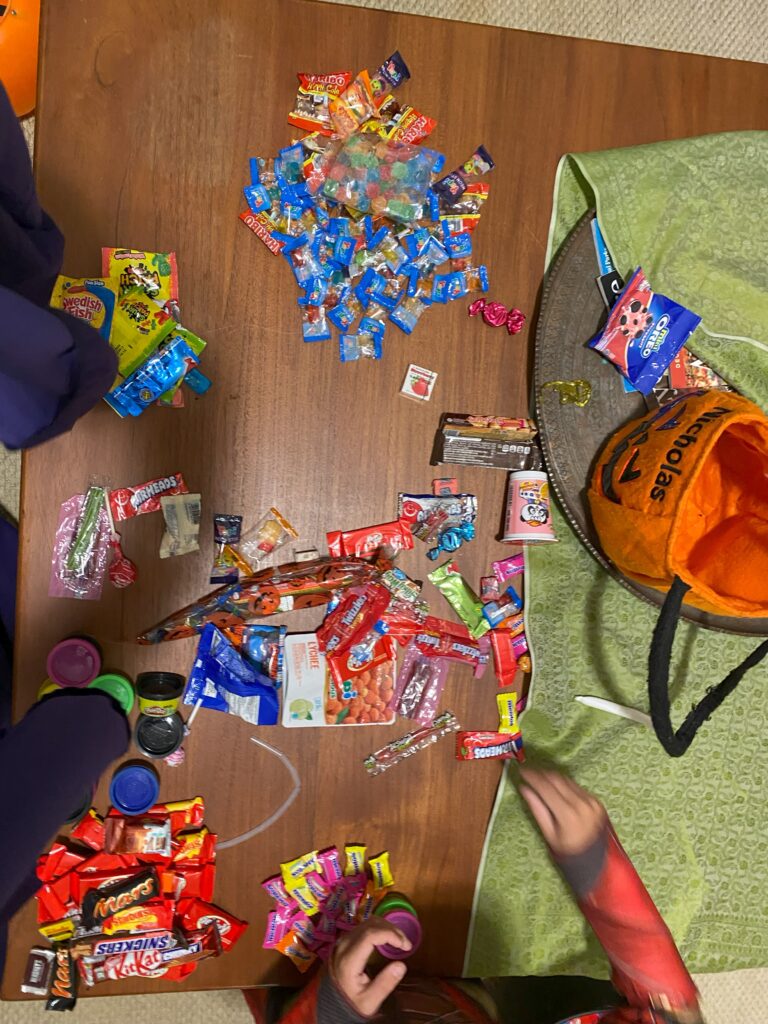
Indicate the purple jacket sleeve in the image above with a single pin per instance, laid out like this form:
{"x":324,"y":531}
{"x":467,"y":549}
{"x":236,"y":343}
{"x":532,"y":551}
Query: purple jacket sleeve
{"x":48,"y":761}
{"x":53,"y":368}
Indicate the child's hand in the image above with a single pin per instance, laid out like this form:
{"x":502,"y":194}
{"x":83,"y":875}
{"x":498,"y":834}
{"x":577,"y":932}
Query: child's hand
{"x":569,"y":817}
{"x":350,"y":956}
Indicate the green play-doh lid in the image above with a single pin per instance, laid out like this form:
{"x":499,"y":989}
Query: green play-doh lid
{"x":117,"y":686}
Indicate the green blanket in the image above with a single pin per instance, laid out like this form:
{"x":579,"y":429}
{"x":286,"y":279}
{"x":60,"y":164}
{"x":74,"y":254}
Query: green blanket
{"x":692,"y":213}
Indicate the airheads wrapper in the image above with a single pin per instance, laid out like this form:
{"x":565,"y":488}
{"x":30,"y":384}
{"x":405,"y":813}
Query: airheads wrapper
{"x":88,"y":298}
{"x":644,"y":333}
{"x":223,"y":681}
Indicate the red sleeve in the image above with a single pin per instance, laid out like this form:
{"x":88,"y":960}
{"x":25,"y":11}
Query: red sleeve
{"x":303,"y":1009}
{"x":647,"y":967}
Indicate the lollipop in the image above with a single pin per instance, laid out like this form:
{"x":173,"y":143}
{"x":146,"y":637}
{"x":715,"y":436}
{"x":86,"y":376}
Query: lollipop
{"x":122,"y":571}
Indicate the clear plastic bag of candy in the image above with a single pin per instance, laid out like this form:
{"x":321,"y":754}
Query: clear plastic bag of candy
{"x":407,"y":314}
{"x":384,"y":178}
{"x":398,"y":750}
{"x":267,"y":536}
{"x":81,"y":547}
{"x":314,"y":324}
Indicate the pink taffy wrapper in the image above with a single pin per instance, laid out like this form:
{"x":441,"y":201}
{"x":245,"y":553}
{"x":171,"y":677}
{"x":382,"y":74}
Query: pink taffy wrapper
{"x":419,"y":685}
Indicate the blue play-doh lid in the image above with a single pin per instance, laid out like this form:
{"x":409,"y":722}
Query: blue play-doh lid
{"x":134,"y":789}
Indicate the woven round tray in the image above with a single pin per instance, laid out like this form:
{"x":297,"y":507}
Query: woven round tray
{"x":572,"y":312}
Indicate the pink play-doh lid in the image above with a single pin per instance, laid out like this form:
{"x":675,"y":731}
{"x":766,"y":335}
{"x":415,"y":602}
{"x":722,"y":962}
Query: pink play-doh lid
{"x":410,"y":926}
{"x":73,"y":662}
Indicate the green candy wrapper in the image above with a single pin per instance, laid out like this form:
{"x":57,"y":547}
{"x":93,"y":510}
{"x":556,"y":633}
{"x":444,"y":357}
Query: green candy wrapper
{"x":460,"y":596}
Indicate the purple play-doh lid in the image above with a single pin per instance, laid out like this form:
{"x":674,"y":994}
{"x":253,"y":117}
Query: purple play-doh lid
{"x":410,"y":926}
{"x":73,"y":662}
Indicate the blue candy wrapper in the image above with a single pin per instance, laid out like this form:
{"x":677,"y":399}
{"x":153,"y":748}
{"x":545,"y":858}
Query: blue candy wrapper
{"x":644,"y":332}
{"x":197,"y":381}
{"x":158,"y":374}
{"x":223,"y":681}
{"x":262,"y":647}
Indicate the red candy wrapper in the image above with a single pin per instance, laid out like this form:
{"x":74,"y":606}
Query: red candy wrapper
{"x":489,"y":746}
{"x":59,"y":860}
{"x":196,"y":847}
{"x":122,"y":572}
{"x":504,"y":656}
{"x":90,"y":830}
{"x":126,"y":502}
{"x":194,"y":881}
{"x":353,"y":618}
{"x":392,"y":537}
{"x":183,"y":813}
{"x":197,"y":915}
{"x":105,"y":862}
{"x":262,"y":227}
{"x":454,"y":646}
{"x":495,"y":314}
{"x":515,"y":321}
{"x":411,"y":126}
{"x":84,"y":882}
{"x":50,"y":906}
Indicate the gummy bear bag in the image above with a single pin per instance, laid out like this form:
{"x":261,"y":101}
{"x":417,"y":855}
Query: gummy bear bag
{"x":679,"y":498}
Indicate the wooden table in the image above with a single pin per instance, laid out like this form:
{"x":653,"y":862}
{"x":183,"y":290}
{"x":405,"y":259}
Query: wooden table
{"x":147,"y":116}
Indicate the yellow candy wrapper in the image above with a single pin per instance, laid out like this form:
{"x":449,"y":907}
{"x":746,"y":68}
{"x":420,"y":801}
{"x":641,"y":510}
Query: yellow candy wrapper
{"x":355,"y":859}
{"x":88,"y":298}
{"x":58,"y":931}
{"x":381,"y":871}
{"x":304,"y":896}
{"x":507,"y":705}
{"x":154,"y":273}
{"x":293,"y":870}
{"x":138,"y":327}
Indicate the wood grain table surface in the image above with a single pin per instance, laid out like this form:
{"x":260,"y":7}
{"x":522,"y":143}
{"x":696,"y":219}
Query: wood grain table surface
{"x":147,"y":116}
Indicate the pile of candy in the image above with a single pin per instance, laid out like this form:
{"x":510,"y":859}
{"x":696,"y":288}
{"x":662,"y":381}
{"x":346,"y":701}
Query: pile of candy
{"x":372,"y":608}
{"x":358,"y":209}
{"x":129,"y":897}
{"x":135,"y":307}
{"x":315,"y":901}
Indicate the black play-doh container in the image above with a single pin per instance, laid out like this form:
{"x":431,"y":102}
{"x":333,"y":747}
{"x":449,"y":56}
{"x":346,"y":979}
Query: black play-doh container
{"x":158,"y":737}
